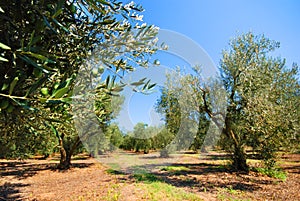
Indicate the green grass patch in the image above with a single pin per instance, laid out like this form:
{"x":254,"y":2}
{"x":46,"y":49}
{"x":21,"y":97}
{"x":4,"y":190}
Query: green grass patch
{"x":113,"y":194}
{"x":114,"y":165}
{"x":114,"y":172}
{"x":175,"y":169}
{"x":158,"y":191}
{"x":274,"y":173}
{"x":145,"y":177}
{"x":230,"y":194}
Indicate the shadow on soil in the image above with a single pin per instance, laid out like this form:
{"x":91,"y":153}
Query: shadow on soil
{"x":192,"y":176}
{"x":17,"y":170}
{"x":11,"y":191}
{"x":198,"y":176}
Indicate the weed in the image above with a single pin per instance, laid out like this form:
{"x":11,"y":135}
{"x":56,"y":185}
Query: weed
{"x":232,"y":191}
{"x":272,"y":172}
{"x":176,"y":170}
{"x":145,"y":177}
{"x":114,"y":172}
{"x":114,"y":165}
{"x":162,"y":191}
{"x":114,"y":193}
{"x":229,"y":194}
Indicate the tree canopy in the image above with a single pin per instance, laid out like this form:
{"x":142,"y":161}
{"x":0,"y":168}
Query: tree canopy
{"x":43,"y":46}
{"x":255,"y":101}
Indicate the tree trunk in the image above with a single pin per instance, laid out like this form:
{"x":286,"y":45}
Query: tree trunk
{"x":65,"y":158}
{"x":239,"y":159}
{"x":164,"y":153}
{"x":65,"y":154}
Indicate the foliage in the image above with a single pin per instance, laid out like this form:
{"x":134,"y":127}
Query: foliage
{"x":183,"y":107}
{"x":162,"y":191}
{"x":146,"y":138}
{"x":45,"y":45}
{"x":272,"y":172}
{"x":263,"y":96}
{"x":13,"y":146}
{"x":255,"y":104}
{"x":141,"y":138}
{"x":107,"y":140}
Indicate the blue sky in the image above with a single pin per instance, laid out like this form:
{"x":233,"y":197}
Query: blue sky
{"x":212,"y":23}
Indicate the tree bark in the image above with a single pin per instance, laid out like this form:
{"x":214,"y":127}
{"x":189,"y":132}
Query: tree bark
{"x":65,"y":154}
{"x":239,"y":159}
{"x":239,"y":156}
{"x":65,"y":159}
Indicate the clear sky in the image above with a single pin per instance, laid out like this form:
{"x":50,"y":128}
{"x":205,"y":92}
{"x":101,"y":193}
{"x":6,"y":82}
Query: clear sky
{"x":212,"y":23}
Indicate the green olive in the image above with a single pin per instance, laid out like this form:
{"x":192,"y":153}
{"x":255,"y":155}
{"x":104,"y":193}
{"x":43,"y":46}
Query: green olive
{"x":73,"y":9}
{"x":45,"y":91}
{"x":157,"y":62}
{"x":56,"y":85}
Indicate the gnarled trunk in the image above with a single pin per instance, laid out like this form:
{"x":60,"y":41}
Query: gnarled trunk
{"x":65,"y":154}
{"x":239,"y":159}
{"x":65,"y":159}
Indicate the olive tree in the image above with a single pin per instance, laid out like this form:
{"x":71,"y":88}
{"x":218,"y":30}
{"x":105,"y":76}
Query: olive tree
{"x":261,"y":99}
{"x":43,"y":46}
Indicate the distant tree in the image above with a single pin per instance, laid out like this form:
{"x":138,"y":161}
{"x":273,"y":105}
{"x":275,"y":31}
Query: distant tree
{"x":182,"y":112}
{"x":128,"y":142}
{"x":115,"y":135}
{"x":141,"y":138}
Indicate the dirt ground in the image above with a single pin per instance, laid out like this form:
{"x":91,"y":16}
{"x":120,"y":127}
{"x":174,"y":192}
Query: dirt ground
{"x":205,"y":176}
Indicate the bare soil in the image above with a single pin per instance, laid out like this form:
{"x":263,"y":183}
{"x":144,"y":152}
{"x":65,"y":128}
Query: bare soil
{"x":207,"y":176}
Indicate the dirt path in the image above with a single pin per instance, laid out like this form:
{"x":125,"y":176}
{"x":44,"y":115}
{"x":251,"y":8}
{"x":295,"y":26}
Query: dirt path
{"x":207,"y":177}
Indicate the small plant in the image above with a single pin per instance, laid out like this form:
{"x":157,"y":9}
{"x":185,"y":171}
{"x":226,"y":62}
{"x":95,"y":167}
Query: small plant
{"x":114,"y":193}
{"x":232,"y":191}
{"x":272,"y":172}
{"x":230,"y":194}
{"x":146,"y":177}
{"x":114,"y":172}
{"x":176,"y":170}
{"x":162,"y":191}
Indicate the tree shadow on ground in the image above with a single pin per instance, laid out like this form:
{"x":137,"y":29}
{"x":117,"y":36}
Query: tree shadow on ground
{"x":193,"y":177}
{"x":293,"y":169}
{"x":22,"y":170}
{"x":12,"y":174}
{"x":11,"y":191}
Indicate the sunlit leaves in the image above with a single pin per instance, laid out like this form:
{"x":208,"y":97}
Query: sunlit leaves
{"x":5,"y":47}
{"x":261,"y":92}
{"x":46,"y":44}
